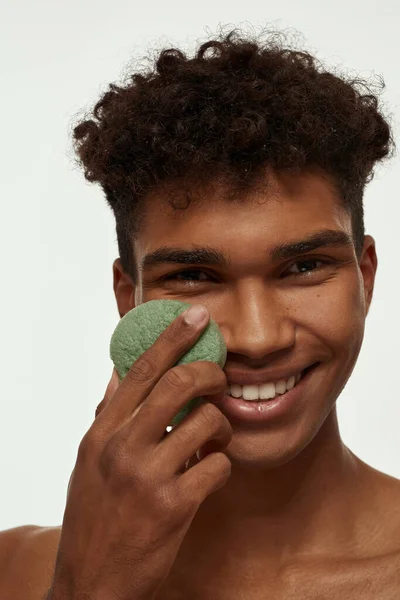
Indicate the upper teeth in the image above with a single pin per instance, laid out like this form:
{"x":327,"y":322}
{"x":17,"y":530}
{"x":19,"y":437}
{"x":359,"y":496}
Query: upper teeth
{"x":265,"y":391}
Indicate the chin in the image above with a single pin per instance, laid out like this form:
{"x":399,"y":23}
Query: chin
{"x":264,"y":450}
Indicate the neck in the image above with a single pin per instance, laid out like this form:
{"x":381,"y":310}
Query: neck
{"x":305,"y":507}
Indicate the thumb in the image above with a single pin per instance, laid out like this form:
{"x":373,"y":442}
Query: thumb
{"x":110,"y":391}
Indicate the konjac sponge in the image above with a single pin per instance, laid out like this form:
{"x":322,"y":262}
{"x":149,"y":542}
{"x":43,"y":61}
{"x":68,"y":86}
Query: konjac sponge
{"x":140,"y":328}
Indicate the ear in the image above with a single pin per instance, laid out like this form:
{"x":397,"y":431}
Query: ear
{"x":124,"y":290}
{"x":368,"y":267}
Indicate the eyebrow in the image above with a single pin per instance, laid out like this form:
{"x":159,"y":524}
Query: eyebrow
{"x":206,"y":255}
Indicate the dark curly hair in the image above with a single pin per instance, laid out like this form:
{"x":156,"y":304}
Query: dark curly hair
{"x":238,"y":107}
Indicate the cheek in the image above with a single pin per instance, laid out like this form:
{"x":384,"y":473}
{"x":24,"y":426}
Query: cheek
{"x":336,"y":317}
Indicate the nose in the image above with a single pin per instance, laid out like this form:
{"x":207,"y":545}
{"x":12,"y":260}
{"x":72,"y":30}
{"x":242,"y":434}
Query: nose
{"x":257,"y":326}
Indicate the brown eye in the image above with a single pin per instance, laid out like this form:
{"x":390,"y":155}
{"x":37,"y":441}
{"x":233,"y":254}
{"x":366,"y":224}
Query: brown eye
{"x":307,"y":263}
{"x":187,"y":276}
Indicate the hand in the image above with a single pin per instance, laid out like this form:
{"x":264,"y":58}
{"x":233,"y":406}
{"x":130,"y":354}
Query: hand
{"x":131,"y":498}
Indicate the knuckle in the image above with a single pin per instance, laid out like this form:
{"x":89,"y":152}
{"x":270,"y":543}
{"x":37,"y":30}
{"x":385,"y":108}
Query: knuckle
{"x":222,"y":468}
{"x":100,"y":407}
{"x":211,"y":371}
{"x":89,"y":445}
{"x":217,"y":373}
{"x":114,"y":462}
{"x":180,"y":377}
{"x":172,"y":336}
{"x":144,"y":369}
{"x":223,"y":462}
{"x":183,"y":435}
{"x":166,"y":499}
{"x":210,"y":414}
{"x":190,"y":502}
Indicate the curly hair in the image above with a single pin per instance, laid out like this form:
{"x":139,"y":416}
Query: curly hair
{"x":240,"y":106}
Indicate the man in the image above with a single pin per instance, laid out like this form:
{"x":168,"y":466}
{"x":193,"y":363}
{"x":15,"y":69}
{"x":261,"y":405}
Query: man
{"x":270,"y":157}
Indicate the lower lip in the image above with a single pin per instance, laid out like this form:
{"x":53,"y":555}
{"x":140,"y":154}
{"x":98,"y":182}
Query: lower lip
{"x":263,"y":411}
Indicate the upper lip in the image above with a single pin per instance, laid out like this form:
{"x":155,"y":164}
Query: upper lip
{"x":252,"y":378}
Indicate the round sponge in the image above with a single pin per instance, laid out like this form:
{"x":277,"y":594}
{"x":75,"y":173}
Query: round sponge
{"x":140,"y":328}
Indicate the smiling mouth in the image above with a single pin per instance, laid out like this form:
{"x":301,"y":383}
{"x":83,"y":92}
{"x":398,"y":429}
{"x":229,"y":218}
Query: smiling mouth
{"x":268,"y":397}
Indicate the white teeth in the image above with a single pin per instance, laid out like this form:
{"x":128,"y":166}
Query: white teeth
{"x":235,"y":390}
{"x":266,"y":391}
{"x":281,"y":386}
{"x":250,"y":392}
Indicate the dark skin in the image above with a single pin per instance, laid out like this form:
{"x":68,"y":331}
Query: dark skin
{"x":297,"y":497}
{"x":301,"y":517}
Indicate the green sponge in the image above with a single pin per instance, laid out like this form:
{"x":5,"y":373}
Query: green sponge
{"x":140,"y":328}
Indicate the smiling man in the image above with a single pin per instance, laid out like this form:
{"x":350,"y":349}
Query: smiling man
{"x":237,"y":182}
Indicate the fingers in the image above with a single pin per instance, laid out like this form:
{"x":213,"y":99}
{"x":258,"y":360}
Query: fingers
{"x":206,"y":429}
{"x":110,"y":391}
{"x":148,"y":369}
{"x":208,"y":476}
{"x":113,"y":384}
{"x":172,"y":392}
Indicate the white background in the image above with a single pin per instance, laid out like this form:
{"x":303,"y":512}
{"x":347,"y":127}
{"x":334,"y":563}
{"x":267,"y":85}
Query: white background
{"x":58,"y":237}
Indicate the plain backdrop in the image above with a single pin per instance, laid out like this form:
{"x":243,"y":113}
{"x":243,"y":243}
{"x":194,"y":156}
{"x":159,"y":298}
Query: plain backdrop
{"x":58,"y":237}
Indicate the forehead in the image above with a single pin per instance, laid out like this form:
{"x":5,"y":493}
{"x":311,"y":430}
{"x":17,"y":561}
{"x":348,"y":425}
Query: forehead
{"x":293,"y":206}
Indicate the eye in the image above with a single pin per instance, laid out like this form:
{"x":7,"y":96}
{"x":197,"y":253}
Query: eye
{"x":308,"y":262}
{"x":187,"y":276}
{"x":192,"y":276}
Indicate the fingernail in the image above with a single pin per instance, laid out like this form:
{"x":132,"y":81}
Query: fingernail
{"x":195,"y":315}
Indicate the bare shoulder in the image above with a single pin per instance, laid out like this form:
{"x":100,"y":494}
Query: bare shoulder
{"x":385,"y":490}
{"x":27,"y":557}
{"x":381,"y":505}
{"x":368,"y":569}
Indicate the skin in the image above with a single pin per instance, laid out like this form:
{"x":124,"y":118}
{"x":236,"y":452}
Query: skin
{"x":300,"y":516}
{"x":297,"y":496}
